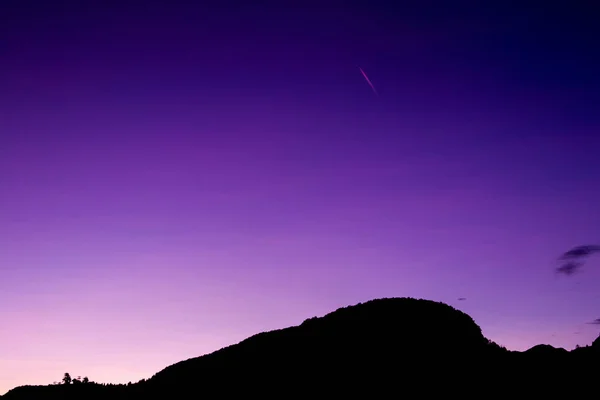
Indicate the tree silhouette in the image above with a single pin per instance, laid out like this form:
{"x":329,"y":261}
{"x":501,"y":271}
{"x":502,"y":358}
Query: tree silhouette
{"x":67,"y":379}
{"x":86,"y":380}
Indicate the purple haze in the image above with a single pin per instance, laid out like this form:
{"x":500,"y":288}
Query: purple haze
{"x":177,"y":178}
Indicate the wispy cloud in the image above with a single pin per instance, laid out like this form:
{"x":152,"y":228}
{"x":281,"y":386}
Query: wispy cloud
{"x":569,"y":268}
{"x":580,"y":251}
{"x":572,"y":260}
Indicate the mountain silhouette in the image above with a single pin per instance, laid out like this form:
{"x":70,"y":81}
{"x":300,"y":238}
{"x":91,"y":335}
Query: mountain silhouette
{"x":383,"y":347}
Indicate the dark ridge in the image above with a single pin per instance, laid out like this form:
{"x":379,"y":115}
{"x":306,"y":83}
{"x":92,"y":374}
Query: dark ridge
{"x":547,"y":354}
{"x":545,"y":349}
{"x":412,"y":327}
{"x":384,"y":347}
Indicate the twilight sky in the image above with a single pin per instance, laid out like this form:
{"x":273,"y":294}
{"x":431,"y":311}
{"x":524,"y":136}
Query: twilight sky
{"x":177,"y":177}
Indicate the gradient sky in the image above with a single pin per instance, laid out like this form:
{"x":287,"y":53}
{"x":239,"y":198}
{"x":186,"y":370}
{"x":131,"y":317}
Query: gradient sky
{"x":177,"y":177}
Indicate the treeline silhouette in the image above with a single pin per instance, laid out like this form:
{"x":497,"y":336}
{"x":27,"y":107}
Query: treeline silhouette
{"x":396,"y":347}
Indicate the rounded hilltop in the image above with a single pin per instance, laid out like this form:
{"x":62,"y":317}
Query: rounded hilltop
{"x":357,"y":337}
{"x":402,"y":322}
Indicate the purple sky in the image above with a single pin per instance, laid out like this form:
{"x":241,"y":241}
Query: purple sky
{"x":174,"y":178}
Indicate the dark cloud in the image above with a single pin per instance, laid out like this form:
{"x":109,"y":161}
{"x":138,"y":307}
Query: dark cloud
{"x":595,"y":322}
{"x":580,"y":251}
{"x":572,"y":260}
{"x":462,"y":298}
{"x":569,"y":268}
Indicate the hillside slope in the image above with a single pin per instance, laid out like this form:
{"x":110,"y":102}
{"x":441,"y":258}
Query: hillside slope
{"x":374,"y":339}
{"x":395,"y":345}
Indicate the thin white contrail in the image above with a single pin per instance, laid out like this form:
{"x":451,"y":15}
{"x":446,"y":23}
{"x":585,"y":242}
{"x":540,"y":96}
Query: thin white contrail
{"x":368,"y":80}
